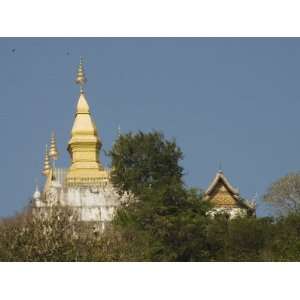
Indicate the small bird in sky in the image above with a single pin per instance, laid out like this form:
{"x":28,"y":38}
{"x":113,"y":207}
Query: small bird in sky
{"x":68,"y":53}
{"x":13,"y":50}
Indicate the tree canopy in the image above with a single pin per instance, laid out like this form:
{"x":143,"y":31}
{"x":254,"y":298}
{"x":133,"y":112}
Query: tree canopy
{"x":164,"y":213}
{"x":284,"y":193}
{"x":145,"y":161}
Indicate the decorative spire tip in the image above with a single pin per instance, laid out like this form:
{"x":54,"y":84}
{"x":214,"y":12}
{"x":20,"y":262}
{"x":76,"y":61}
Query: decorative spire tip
{"x":47,"y":165}
{"x":53,"y":153}
{"x":80,"y":78}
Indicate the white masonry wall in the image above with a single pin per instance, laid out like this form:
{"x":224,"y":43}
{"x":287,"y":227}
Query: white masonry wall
{"x":92,"y":204}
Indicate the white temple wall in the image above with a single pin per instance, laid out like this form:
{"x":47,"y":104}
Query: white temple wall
{"x":232,"y":212}
{"x":94,"y":204}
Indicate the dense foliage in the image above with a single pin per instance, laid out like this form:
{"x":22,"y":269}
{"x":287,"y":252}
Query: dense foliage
{"x":24,"y":238}
{"x":164,"y":215}
{"x":145,"y":161}
{"x":162,"y":220}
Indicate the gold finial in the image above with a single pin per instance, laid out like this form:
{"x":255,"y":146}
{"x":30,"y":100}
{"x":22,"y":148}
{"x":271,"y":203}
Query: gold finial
{"x":80,"y":78}
{"x":53,"y":153}
{"x":47,"y":166}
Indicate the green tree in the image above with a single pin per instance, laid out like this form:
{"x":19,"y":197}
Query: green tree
{"x":217,"y":237}
{"x":165,"y":221}
{"x":164,"y":225}
{"x":239,"y":239}
{"x":248,"y":238}
{"x":145,"y":161}
{"x":285,"y":243}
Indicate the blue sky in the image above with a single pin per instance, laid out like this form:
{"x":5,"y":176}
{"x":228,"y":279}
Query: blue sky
{"x":234,"y":100}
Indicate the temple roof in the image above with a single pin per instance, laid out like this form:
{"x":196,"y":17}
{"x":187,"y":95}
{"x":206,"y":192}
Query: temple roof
{"x":220,"y":176}
{"x":221,"y":179}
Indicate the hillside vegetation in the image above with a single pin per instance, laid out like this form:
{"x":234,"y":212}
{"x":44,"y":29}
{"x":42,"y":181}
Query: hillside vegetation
{"x":163,"y":221}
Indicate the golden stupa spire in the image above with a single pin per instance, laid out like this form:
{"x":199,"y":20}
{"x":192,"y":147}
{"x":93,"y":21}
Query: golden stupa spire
{"x":47,"y":166}
{"x":80,"y":78}
{"x":53,"y":153}
{"x":84,"y":144}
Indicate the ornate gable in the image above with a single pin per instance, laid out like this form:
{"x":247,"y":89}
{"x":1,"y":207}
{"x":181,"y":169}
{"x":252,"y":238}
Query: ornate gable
{"x":222,"y":194}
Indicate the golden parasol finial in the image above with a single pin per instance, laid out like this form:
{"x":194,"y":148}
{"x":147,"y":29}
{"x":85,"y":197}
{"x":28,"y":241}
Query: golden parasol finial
{"x":80,"y":78}
{"x":53,"y":153}
{"x":47,"y":166}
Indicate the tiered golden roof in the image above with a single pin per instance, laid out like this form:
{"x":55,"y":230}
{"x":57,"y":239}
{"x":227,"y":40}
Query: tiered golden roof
{"x":84,"y":145}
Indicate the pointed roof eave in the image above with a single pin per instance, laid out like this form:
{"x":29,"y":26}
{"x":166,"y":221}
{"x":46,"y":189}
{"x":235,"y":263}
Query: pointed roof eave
{"x":247,"y":203}
{"x":220,"y":176}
